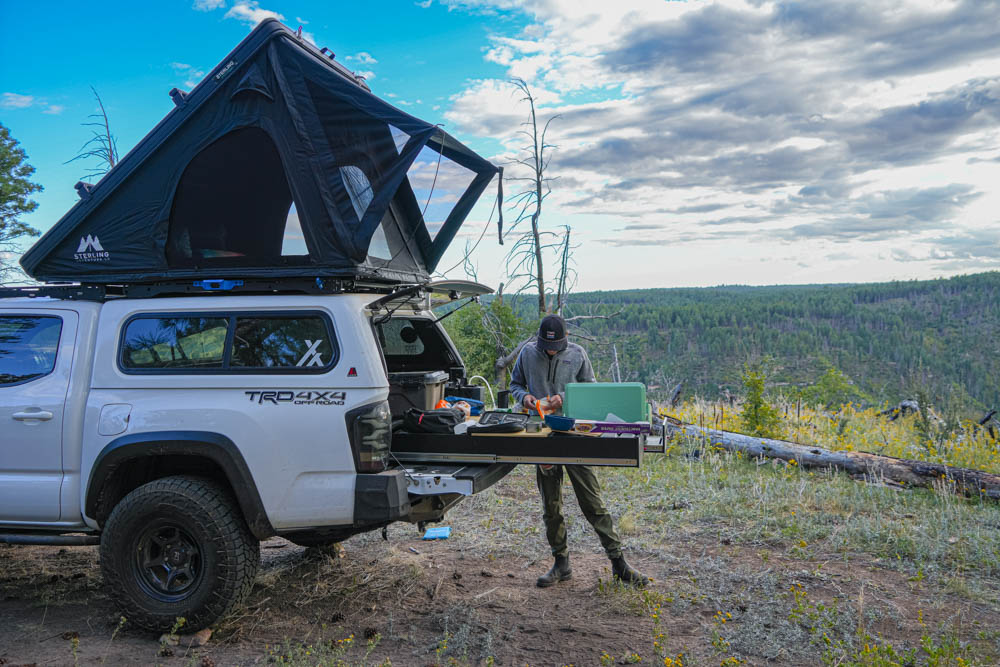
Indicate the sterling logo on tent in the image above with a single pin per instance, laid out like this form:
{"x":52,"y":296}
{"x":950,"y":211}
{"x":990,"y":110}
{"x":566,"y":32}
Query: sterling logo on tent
{"x":225,"y":70}
{"x":90,"y":250}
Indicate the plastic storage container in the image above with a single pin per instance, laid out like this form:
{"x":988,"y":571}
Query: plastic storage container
{"x":420,"y":389}
{"x":596,"y":400}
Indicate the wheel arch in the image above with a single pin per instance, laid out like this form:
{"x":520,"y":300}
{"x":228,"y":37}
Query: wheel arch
{"x":129,"y":461}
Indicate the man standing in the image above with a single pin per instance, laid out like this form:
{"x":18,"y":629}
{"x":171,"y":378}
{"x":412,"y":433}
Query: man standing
{"x":542,"y":370}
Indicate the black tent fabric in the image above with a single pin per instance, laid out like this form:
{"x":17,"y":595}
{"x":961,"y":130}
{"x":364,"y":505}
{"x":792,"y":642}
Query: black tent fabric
{"x":278,"y":164}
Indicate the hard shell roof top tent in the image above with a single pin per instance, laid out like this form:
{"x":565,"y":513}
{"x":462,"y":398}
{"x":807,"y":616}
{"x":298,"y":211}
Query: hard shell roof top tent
{"x":279,"y":164}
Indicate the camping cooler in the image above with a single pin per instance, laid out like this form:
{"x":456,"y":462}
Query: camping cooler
{"x":596,"y":400}
{"x":416,"y":389}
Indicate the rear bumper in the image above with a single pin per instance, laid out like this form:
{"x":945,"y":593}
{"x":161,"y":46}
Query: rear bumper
{"x":386,"y":497}
{"x":380,"y":498}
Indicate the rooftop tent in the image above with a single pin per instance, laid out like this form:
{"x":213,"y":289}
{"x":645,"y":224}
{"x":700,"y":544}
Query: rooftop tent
{"x":278,"y":164}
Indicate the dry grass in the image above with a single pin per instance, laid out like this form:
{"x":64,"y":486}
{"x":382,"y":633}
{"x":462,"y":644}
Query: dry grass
{"x":759,"y":562}
{"x":853,"y":428}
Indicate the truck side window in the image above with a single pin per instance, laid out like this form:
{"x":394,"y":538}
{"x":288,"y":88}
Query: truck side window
{"x":302,"y":342}
{"x":175,"y":342}
{"x":28,"y":345}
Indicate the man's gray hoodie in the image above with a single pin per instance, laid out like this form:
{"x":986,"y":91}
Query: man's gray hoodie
{"x":540,"y":375}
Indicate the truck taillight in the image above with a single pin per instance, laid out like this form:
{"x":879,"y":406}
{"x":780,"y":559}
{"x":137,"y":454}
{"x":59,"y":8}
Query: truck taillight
{"x":370,"y":430}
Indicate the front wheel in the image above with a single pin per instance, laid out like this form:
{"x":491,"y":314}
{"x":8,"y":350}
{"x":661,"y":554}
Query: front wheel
{"x":178,"y":547}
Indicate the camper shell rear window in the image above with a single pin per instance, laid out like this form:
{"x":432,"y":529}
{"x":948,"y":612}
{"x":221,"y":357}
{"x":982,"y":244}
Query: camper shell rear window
{"x":415,"y":344}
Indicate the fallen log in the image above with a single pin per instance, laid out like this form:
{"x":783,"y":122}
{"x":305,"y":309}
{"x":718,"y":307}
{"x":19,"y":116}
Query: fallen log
{"x":873,"y":467}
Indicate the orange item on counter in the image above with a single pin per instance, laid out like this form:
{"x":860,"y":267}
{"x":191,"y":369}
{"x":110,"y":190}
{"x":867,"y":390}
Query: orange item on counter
{"x":544,"y":407}
{"x":442,"y":404}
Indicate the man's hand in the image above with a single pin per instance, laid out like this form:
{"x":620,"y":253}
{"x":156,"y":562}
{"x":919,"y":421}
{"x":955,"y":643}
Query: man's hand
{"x":555,"y":402}
{"x":529,"y":401}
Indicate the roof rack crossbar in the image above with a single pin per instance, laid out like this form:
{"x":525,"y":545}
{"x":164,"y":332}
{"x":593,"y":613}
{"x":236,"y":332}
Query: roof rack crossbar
{"x":204,"y":287}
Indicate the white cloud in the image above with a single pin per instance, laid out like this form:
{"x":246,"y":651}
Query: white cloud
{"x":192,"y":75}
{"x":367,"y":74}
{"x":755,"y":123}
{"x":16,"y":101}
{"x":363,"y":58}
{"x":209,"y":5}
{"x":251,"y":13}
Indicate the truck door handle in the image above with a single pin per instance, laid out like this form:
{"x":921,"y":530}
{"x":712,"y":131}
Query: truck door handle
{"x":39,"y":415}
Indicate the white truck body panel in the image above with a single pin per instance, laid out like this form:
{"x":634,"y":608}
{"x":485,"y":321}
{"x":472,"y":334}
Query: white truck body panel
{"x":309,"y":482}
{"x":296,"y":447}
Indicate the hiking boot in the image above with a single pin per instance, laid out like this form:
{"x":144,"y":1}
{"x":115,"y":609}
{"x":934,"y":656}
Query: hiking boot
{"x":560,"y":572}
{"x":624,"y":573}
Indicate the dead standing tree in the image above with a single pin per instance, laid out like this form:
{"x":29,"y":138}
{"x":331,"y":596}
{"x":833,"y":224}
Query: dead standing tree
{"x":525,"y":260}
{"x":526,"y":254}
{"x":102,"y":145}
{"x":567,"y":274}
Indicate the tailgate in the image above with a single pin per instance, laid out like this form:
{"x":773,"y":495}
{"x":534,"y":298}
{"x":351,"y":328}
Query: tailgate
{"x":466,"y":480}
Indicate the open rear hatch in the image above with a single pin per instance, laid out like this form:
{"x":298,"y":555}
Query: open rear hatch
{"x":423,"y":366}
{"x":421,"y":362}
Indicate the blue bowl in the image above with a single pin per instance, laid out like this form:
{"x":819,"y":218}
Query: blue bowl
{"x":559,"y":423}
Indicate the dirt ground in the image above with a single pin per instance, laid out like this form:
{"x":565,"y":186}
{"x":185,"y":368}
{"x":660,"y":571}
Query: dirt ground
{"x":466,"y":600}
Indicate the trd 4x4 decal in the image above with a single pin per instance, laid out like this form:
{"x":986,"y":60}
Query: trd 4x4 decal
{"x":295,"y":397}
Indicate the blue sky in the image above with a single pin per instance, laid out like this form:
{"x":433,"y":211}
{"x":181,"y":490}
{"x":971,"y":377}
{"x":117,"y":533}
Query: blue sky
{"x":699,"y":142}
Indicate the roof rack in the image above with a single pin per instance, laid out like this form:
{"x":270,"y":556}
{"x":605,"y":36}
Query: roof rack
{"x":66,"y":292}
{"x":204,"y":287}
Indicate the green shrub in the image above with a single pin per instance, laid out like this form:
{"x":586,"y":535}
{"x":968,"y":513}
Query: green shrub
{"x":759,"y":418}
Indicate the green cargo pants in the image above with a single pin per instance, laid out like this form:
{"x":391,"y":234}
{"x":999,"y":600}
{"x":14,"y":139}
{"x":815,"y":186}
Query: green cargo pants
{"x":588,"y":494}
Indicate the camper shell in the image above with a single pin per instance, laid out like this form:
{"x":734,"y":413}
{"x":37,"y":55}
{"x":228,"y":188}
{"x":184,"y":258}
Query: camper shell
{"x":280,"y":164}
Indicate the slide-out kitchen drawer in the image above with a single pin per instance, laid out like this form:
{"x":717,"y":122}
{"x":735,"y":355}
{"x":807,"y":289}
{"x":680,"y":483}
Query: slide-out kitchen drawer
{"x":546,"y":447}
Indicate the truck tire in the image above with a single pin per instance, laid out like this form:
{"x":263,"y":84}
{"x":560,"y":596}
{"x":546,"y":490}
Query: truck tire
{"x":178,"y":547}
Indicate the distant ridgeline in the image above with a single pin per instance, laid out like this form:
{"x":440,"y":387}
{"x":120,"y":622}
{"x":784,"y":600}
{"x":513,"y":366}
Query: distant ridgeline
{"x":890,"y":339}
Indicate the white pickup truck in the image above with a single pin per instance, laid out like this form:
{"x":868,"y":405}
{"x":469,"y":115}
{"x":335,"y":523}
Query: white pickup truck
{"x":179,"y":431}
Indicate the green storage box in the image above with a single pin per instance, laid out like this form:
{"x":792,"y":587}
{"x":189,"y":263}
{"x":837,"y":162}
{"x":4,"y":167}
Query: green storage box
{"x":594,"y":400}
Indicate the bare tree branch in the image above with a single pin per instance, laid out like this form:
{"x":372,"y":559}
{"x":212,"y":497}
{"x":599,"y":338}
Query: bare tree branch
{"x":102,"y":145}
{"x":577,"y":318}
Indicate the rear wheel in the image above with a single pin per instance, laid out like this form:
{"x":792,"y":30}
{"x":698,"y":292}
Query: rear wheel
{"x":178,"y":547}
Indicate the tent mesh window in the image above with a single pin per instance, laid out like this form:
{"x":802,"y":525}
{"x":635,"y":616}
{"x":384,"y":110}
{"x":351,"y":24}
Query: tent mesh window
{"x":365,"y":152}
{"x":437,"y":184}
{"x":233,"y":206}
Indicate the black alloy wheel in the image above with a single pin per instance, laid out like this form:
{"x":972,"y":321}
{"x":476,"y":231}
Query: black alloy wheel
{"x":178,"y":547}
{"x":167,"y":562}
